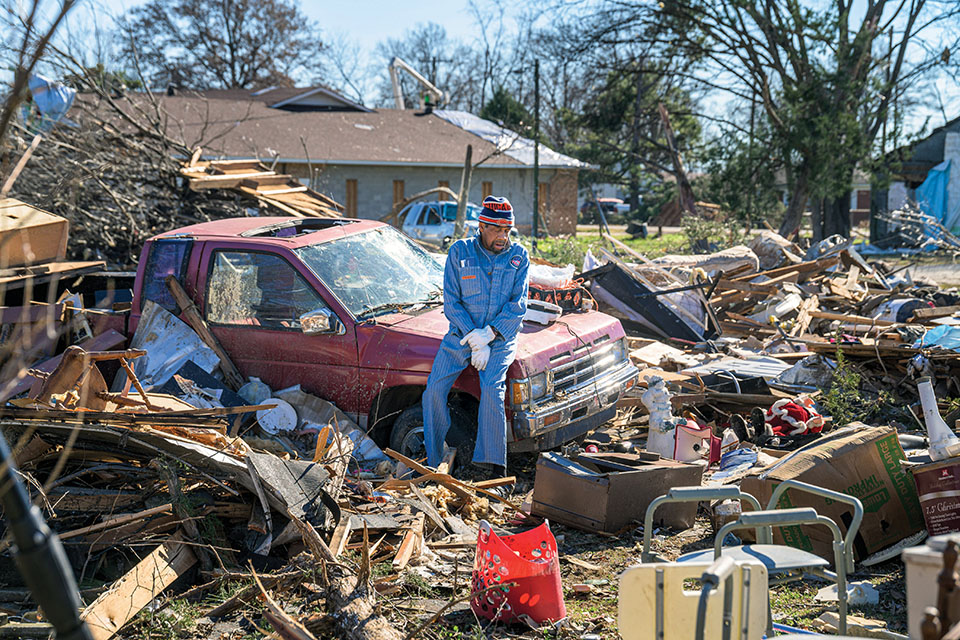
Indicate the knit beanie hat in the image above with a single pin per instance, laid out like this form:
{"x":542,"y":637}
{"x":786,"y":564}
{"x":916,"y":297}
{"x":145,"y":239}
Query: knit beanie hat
{"x":497,"y":210}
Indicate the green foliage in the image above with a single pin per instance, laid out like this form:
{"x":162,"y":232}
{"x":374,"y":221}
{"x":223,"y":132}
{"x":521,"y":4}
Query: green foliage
{"x":571,"y":250}
{"x":741,"y":177}
{"x":103,"y":79}
{"x":842,"y":400}
{"x":507,"y":110}
{"x":846,"y":401}
{"x":416,"y":585}
{"x":705,"y":235}
{"x":622,"y":135}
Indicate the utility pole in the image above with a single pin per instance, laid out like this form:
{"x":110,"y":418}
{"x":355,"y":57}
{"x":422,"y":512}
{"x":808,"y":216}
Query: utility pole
{"x":753,"y":104}
{"x":536,"y":150}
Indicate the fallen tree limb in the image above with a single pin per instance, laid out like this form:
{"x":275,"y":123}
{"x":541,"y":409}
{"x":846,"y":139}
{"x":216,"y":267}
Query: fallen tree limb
{"x":350,"y":600}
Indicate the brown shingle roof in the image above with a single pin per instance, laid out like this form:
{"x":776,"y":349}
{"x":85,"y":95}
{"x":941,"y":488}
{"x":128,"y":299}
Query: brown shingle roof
{"x":243,"y":128}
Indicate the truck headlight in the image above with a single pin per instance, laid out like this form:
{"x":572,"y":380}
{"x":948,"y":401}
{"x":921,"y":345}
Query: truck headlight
{"x":620,"y":351}
{"x":536,"y":387}
{"x":541,"y":385}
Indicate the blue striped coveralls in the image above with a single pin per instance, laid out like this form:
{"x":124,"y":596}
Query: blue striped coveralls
{"x":480,"y":288}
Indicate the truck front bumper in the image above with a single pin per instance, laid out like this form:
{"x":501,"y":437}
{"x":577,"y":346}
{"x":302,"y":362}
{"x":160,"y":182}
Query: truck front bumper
{"x":571,"y":415}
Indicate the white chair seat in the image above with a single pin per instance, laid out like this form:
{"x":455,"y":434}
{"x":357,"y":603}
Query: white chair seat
{"x":776,"y":558}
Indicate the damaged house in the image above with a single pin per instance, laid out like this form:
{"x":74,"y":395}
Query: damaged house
{"x":368,"y":159}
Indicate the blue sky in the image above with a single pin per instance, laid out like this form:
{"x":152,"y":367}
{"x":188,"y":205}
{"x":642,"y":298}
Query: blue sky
{"x":369,"y":22}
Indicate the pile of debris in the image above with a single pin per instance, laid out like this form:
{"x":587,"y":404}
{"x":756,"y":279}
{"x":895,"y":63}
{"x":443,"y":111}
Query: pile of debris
{"x":910,"y":229}
{"x":188,"y":473}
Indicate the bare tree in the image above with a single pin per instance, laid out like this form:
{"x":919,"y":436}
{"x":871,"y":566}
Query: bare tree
{"x":443,"y":60}
{"x":231,"y":44}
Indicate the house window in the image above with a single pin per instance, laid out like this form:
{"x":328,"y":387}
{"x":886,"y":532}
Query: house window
{"x":487,"y":190}
{"x":397,"y":192}
{"x":443,"y":195}
{"x":351,"y":203}
{"x":863,"y":199}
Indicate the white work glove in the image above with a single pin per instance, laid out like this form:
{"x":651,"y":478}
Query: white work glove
{"x":479,"y":337}
{"x":480,"y":357}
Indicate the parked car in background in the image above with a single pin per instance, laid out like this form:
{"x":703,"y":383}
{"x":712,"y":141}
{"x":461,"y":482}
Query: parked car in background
{"x":612,"y":208}
{"x":433,"y":222}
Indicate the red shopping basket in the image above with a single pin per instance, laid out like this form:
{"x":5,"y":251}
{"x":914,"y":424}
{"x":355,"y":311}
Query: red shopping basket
{"x":530,"y":561}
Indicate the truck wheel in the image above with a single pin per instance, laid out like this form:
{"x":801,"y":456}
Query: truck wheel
{"x":407,"y":434}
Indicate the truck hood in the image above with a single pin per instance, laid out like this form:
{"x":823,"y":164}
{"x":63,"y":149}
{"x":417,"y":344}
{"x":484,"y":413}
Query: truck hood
{"x":540,"y":348}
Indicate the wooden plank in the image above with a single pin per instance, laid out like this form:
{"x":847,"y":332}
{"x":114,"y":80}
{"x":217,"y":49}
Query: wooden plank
{"x":808,"y":306}
{"x":411,"y":545}
{"x":115,"y":522}
{"x":268,"y":181}
{"x":49,"y":271}
{"x":340,"y":535}
{"x":935,"y":312}
{"x":767,"y":286}
{"x":282,"y":192}
{"x":191,"y":314}
{"x":803,"y":268}
{"x":137,"y":588}
{"x":133,"y":532}
{"x":852,"y":277}
{"x":445,"y":479}
{"x":494,"y":482}
{"x":848,"y":317}
{"x":447,"y":462}
{"x":200,"y":182}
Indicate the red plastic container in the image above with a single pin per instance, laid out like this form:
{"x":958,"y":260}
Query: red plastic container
{"x":528,"y":559}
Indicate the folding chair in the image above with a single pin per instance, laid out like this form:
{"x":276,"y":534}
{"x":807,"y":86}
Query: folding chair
{"x":784,"y":563}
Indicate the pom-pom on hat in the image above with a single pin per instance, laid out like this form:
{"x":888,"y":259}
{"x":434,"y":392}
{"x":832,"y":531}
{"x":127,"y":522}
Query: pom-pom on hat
{"x":497,"y":210}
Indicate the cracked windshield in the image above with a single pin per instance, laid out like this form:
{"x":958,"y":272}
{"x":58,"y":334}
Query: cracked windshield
{"x":376,"y":271}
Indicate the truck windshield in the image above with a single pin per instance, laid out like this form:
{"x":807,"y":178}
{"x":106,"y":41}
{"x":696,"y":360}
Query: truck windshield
{"x":375,"y":270}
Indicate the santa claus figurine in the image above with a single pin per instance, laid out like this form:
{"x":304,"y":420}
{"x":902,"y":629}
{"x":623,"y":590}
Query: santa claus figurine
{"x":794,"y":417}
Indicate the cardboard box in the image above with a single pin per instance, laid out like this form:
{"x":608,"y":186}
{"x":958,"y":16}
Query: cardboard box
{"x":864,"y":463}
{"x":29,"y":235}
{"x":584,"y":497}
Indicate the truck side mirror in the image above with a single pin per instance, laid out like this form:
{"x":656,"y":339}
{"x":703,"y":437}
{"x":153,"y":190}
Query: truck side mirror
{"x":321,"y":321}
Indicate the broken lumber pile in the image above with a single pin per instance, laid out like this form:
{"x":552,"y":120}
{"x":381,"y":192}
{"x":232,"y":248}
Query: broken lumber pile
{"x":273,"y":190}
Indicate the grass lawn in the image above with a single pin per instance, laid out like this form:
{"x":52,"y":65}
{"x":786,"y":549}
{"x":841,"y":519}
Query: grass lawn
{"x":572,"y":249}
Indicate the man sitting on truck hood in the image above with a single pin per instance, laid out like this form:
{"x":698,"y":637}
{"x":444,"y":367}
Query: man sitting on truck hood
{"x":484,"y":299}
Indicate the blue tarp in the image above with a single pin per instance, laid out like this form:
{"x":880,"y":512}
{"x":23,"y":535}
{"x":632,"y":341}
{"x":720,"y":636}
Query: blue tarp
{"x":51,"y":99}
{"x":932,"y":194}
{"x":942,"y":336}
{"x":932,"y":197}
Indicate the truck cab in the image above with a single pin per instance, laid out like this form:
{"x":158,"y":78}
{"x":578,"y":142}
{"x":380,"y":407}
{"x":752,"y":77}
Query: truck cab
{"x":352,"y":311}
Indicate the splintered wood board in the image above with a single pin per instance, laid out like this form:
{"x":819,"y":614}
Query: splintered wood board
{"x":131,"y":593}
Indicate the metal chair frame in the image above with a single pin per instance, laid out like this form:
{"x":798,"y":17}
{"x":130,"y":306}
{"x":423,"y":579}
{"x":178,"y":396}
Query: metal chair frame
{"x":762,"y":522}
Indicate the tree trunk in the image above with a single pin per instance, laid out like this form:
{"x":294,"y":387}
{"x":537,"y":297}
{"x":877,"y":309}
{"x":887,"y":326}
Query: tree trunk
{"x":635,"y":146}
{"x":836,"y":218}
{"x":816,"y":219}
{"x":462,"y":197}
{"x":798,"y":202}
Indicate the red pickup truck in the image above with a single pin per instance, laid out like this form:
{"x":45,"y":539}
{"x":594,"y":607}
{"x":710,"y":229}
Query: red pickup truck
{"x":352,"y":311}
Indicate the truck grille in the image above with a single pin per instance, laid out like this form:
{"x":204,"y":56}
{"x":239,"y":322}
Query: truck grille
{"x":594,"y":361}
